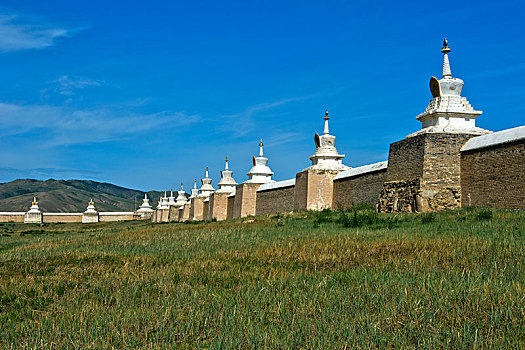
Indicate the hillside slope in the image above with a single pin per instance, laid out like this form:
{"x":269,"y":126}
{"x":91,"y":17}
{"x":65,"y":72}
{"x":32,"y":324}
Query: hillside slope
{"x":70,"y":195}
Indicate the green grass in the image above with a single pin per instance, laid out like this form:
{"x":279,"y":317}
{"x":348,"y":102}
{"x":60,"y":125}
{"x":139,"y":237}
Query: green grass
{"x":310,"y":280}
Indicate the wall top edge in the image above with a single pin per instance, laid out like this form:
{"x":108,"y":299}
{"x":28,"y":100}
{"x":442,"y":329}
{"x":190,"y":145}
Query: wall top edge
{"x":276,"y":185}
{"x":362,"y":170}
{"x":496,"y":138}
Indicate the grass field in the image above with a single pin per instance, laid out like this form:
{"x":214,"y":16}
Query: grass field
{"x":312,"y":280}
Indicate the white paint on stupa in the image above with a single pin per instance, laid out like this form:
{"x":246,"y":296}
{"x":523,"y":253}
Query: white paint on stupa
{"x":145,"y":207}
{"x":194,"y":190}
{"x":448,"y":111}
{"x":206,"y":188}
{"x":181,"y":196}
{"x":260,"y":173}
{"x":33,"y":215}
{"x":171,"y":198}
{"x":163,"y":202}
{"x":91,"y":214}
{"x":227,"y":183}
{"x":326,"y":156}
{"x":34,"y":207}
{"x":91,"y":207}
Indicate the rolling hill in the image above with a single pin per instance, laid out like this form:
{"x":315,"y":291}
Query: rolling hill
{"x":70,"y":195}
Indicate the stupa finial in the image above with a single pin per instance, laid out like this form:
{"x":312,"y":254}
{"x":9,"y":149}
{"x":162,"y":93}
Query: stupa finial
{"x":446,"y":64}
{"x":195,"y":184}
{"x":326,"y":118}
{"x":226,"y":166}
{"x":261,"y":149}
{"x":206,"y":172}
{"x":181,"y":186}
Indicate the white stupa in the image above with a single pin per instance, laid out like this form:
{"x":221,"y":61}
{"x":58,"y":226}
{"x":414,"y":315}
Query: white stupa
{"x":448,"y":111}
{"x":326,"y":156}
{"x":171,"y":198}
{"x":91,"y":207}
{"x":206,"y":188}
{"x":181,"y":196}
{"x":34,"y":207}
{"x":194,"y":190}
{"x":145,"y":207}
{"x":260,"y":172}
{"x":91,"y":214}
{"x":227,"y":183}
{"x":33,"y":215}
{"x":163,"y":202}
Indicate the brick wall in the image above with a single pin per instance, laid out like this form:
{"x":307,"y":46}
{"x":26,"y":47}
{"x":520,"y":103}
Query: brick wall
{"x":231,"y":205}
{"x":107,"y":217}
{"x":54,"y":218}
{"x":363,"y":188}
{"x":12,"y":217}
{"x":219,"y":205}
{"x":494,"y":176}
{"x":277,"y":200}
{"x":245,"y":200}
{"x":314,"y":189}
{"x":432,"y":161}
{"x":405,"y":159}
{"x":197,"y":208}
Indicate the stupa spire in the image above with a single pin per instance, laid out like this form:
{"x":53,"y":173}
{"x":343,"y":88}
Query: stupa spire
{"x":227,"y":183}
{"x":261,"y":154}
{"x":195,"y":184}
{"x":326,"y":118}
{"x":260,"y":172}
{"x":446,"y":64}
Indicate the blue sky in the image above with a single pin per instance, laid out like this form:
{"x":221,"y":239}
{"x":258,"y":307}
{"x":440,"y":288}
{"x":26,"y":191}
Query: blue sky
{"x":146,"y":95}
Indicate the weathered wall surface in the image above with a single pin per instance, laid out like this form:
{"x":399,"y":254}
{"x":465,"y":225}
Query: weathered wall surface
{"x":245,"y":200}
{"x":277,"y":200}
{"x":405,"y":159}
{"x":359,"y":189}
{"x":231,"y":205}
{"x":494,"y":176}
{"x":61,"y":218}
{"x":184,"y":213}
{"x":109,"y":216}
{"x":197,"y":208}
{"x":12,"y":217}
{"x":432,"y":161}
{"x":314,"y":189}
{"x":219,"y":205}
{"x":206,"y":210}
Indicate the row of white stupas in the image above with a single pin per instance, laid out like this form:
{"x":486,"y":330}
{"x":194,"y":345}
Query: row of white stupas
{"x":447,"y":112}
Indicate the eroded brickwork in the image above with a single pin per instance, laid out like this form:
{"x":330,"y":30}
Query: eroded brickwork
{"x":277,"y":200}
{"x":432,"y":161}
{"x":494,"y":176}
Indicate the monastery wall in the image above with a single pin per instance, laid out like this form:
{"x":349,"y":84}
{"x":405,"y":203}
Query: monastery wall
{"x":61,"y":217}
{"x":360,"y":185}
{"x":493,"y":169}
{"x":115,"y":216}
{"x":12,"y":216}
{"x":231,"y":204}
{"x":275,"y":197}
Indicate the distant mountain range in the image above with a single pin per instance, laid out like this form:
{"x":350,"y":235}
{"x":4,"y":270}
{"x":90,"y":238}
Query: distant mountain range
{"x":70,"y":196}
